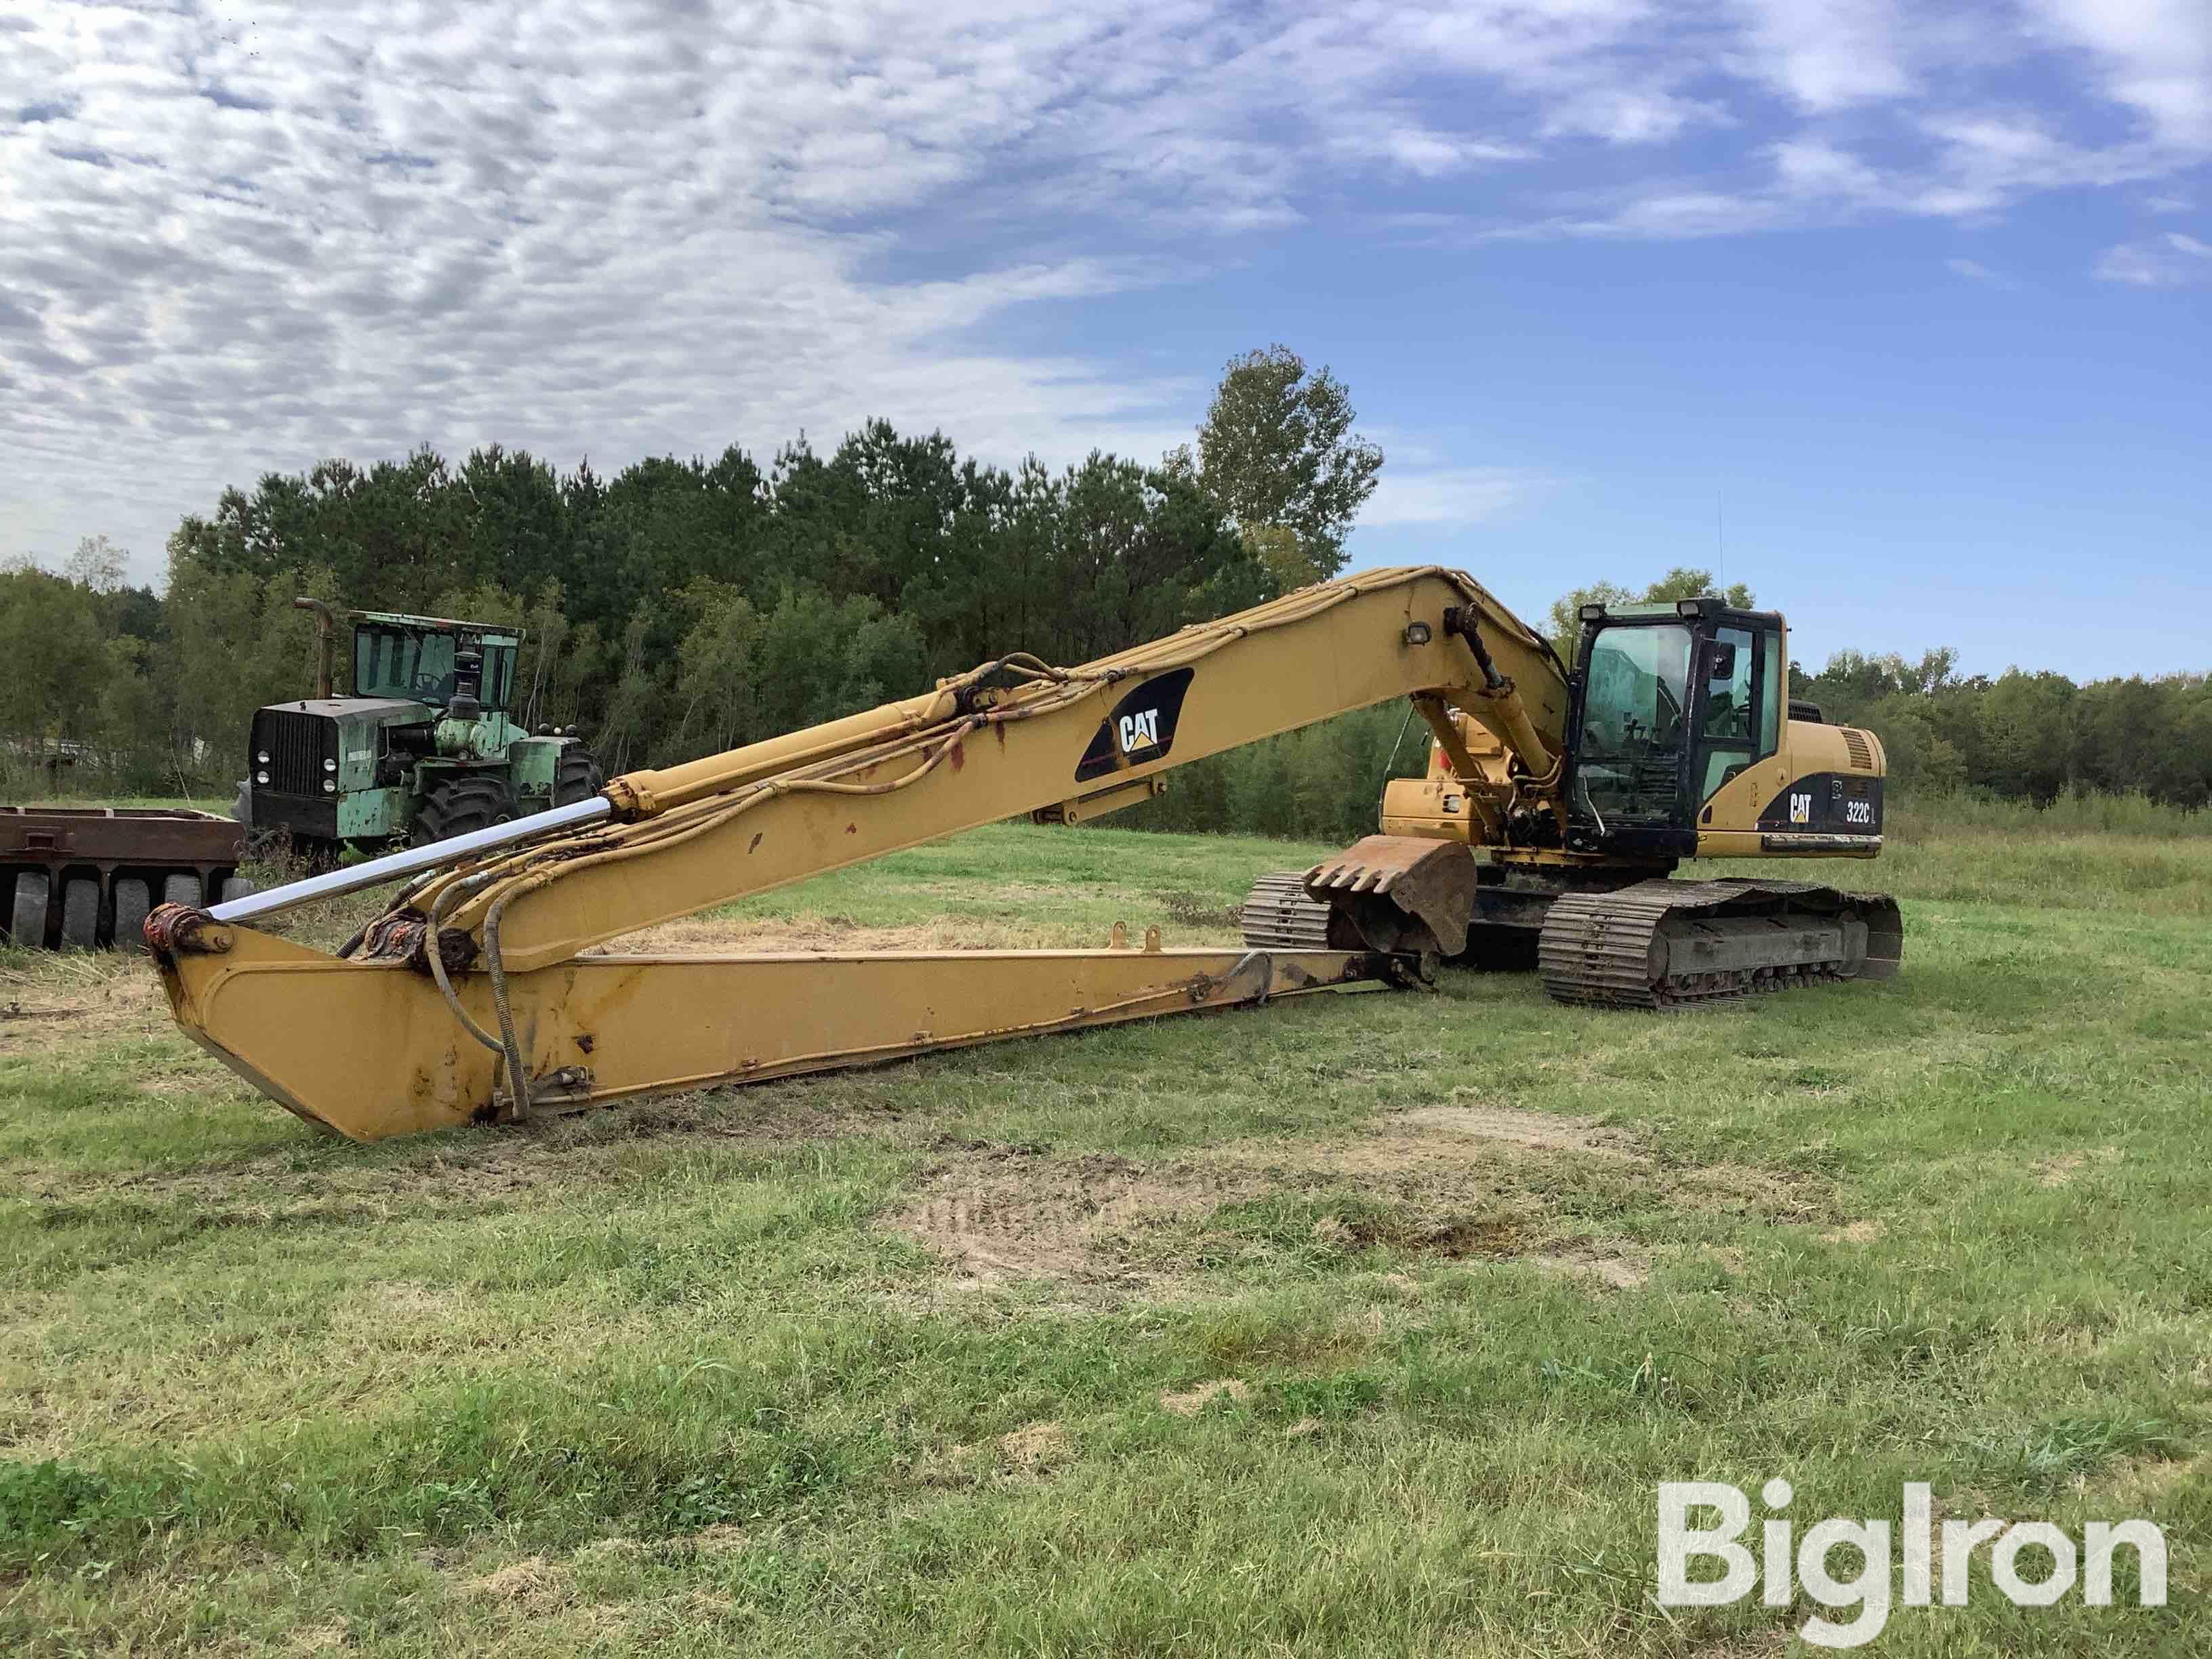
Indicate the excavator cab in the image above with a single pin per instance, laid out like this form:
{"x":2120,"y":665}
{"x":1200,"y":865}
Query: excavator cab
{"x":1668,"y":704}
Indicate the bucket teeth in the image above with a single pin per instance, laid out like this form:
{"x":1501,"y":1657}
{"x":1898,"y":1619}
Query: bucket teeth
{"x":1401,"y":893}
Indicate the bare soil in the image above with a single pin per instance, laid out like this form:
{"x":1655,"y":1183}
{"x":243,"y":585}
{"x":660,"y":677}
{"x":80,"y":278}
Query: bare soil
{"x":79,"y":1000}
{"x":1455,"y":1182}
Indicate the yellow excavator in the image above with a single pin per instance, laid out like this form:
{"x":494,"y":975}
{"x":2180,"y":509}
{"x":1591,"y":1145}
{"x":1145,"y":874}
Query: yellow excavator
{"x":1555,"y":806}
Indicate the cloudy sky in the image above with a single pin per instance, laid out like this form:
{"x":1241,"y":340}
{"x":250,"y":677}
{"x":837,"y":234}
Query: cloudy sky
{"x":1902,"y":311}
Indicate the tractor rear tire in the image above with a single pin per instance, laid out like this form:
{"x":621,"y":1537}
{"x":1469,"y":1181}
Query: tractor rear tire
{"x":184,"y":887}
{"x":576,"y":776}
{"x":80,"y":913}
{"x":459,"y":805}
{"x":133,"y":898}
{"x":26,"y":918}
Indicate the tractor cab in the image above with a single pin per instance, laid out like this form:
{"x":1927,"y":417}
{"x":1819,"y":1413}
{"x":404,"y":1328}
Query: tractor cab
{"x":425,"y":746}
{"x":423,"y":657}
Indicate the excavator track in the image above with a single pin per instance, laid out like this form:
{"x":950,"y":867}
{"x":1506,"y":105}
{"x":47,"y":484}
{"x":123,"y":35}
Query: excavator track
{"x":1279,"y":915}
{"x":1660,"y":943}
{"x":1685,"y":944}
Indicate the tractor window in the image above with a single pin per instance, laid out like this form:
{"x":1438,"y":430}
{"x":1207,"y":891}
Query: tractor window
{"x":498,"y":676}
{"x":397,"y":662}
{"x":1635,"y":700}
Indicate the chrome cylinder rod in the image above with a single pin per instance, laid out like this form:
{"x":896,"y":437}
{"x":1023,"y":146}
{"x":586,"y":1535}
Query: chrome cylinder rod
{"x":397,"y":866}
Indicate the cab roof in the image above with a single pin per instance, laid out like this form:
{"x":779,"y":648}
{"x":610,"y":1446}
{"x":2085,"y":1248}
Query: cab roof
{"x":489,"y":633}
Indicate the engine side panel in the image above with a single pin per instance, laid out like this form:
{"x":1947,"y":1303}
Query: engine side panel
{"x":1821,"y":795}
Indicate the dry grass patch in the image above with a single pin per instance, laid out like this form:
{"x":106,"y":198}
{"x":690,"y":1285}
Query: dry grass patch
{"x":1005,"y":1214}
{"x":1855,"y":1232}
{"x":2060,"y":1170}
{"x":1464,"y":1118}
{"x":1190,"y":1404}
{"x":78,"y":999}
{"x":1035,"y":1447}
{"x":1621,"y":1272}
{"x":532,"y":1582}
{"x":1451,"y":1182}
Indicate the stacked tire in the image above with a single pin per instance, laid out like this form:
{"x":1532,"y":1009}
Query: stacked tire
{"x":90,"y":918}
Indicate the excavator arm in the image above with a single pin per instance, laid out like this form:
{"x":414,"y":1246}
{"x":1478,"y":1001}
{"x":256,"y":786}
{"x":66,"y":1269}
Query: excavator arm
{"x":473,"y":998}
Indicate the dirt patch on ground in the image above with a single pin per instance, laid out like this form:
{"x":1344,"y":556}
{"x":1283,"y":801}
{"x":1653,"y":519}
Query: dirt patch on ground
{"x":480,"y":1170}
{"x":530,"y":1582}
{"x":67,"y":998}
{"x":2060,"y":1171}
{"x":1623,"y":1271}
{"x":1468,"y":1119}
{"x":1855,"y":1232}
{"x":1450,"y":1183}
{"x":1198,"y":1399}
{"x":723,"y":1538}
{"x":1005,"y":1214}
{"x":1035,"y":1447}
{"x":2146,"y":1479}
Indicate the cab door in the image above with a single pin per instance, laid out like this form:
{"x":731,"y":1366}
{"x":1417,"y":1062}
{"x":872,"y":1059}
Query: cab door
{"x":1737,"y":692}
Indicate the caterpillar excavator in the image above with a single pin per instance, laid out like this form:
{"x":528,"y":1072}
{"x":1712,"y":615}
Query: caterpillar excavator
{"x":1555,"y":808}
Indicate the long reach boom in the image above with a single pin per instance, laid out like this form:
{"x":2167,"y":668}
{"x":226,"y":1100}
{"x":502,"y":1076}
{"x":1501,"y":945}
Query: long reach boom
{"x":477,"y":994}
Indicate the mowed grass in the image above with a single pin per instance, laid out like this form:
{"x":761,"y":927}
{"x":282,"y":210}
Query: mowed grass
{"x":1360,"y":1324}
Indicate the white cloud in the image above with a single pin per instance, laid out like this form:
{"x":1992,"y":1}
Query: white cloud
{"x":2154,"y":56}
{"x":1457,"y":496}
{"x":235,"y":238}
{"x":2170,"y":260}
{"x":1829,"y":54}
{"x":1975,"y":272}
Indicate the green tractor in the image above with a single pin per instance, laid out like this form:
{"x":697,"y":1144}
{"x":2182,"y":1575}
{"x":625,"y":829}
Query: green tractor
{"x":422,"y":749}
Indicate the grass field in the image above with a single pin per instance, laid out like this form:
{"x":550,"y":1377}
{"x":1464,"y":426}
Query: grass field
{"x":1364,"y":1324}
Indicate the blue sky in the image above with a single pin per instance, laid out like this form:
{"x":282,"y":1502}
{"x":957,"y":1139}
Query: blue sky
{"x":1914,"y":301}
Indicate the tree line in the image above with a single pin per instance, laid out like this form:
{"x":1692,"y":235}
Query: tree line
{"x":682,"y":607}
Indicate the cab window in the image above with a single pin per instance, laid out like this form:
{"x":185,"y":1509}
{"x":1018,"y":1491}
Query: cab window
{"x":1636,"y":699}
{"x":397,"y":662}
{"x":1739,"y":702}
{"x":1728,"y":687}
{"x":498,"y":673}
{"x":1772,"y":698}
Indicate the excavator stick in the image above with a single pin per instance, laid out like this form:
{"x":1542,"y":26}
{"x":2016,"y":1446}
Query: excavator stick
{"x":371,"y":1049}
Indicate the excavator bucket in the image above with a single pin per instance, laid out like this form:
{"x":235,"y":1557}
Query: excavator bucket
{"x":1401,"y":892}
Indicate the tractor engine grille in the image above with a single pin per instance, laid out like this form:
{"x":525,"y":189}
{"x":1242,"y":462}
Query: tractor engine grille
{"x":296,"y":745}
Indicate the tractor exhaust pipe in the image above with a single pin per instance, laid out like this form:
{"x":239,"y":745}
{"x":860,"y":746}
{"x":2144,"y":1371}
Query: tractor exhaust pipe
{"x":413,"y":860}
{"x":326,"y":625}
